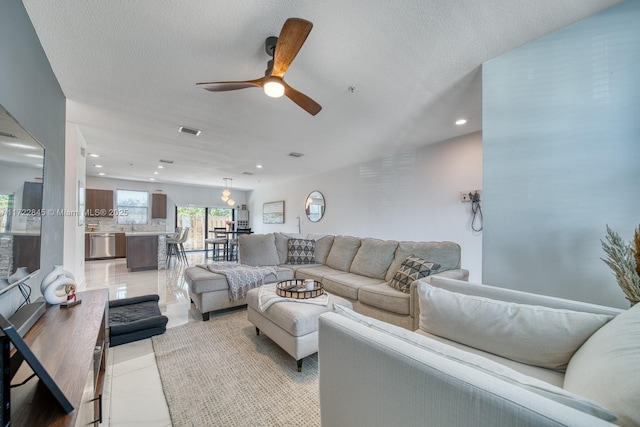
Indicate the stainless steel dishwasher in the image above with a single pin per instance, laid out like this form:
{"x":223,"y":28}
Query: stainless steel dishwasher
{"x":102,"y":245}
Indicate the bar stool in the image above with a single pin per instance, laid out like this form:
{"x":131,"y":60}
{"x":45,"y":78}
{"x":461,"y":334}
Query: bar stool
{"x":219,"y":243}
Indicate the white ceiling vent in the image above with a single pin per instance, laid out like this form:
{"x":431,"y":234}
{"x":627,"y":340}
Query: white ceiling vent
{"x":166,"y":161}
{"x":247,"y":173}
{"x":190,"y":131}
{"x":294,"y":154}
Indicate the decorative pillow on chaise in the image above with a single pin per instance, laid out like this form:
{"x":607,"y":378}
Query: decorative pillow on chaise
{"x":411,"y":269}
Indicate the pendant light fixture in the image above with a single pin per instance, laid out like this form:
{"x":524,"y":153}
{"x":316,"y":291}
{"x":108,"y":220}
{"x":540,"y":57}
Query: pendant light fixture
{"x":226,"y":193}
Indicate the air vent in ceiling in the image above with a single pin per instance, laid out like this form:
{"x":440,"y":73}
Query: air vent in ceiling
{"x":191,"y":131}
{"x":247,"y":173}
{"x":294,"y":154}
{"x":166,"y":161}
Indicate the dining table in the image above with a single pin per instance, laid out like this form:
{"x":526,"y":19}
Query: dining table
{"x":232,"y":238}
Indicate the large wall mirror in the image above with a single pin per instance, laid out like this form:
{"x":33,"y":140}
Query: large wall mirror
{"x":21,"y":174}
{"x":314,"y":206}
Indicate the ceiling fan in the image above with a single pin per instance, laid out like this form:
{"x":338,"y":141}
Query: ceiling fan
{"x":283,"y":50}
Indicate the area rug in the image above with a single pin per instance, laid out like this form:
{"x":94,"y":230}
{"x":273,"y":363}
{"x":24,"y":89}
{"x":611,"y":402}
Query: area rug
{"x":221,"y":373}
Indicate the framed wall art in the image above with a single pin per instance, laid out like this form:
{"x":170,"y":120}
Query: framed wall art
{"x":273,"y":213}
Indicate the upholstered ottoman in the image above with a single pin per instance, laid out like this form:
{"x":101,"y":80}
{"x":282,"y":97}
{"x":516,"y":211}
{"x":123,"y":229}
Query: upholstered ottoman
{"x":291,"y":324}
{"x":137,"y":318}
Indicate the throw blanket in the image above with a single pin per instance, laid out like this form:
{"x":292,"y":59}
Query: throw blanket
{"x":240,"y":277}
{"x":267,"y":296}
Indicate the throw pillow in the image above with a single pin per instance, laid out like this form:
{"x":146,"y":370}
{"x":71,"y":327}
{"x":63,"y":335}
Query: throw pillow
{"x":411,"y":269}
{"x":301,"y":251}
{"x":535,"y":335}
{"x":607,"y":367}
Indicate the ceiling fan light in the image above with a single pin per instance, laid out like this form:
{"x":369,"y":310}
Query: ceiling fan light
{"x":274,"y":88}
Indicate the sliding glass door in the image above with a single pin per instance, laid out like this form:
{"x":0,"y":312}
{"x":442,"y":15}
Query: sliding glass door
{"x":200,"y":221}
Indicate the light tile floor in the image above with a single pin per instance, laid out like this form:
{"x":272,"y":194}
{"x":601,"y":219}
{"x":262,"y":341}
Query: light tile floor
{"x":133,"y":393}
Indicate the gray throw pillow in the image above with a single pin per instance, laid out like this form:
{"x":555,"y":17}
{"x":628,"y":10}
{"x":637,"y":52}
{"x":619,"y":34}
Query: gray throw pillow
{"x":301,"y":251}
{"x":258,"y":249}
{"x":411,"y":269}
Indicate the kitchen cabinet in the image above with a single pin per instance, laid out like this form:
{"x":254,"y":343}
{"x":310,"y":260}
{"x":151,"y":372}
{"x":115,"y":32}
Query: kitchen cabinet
{"x":26,"y":252}
{"x":87,"y":246}
{"x":32,"y":196}
{"x":158,"y":206}
{"x":142,"y":253}
{"x":99,"y":203}
{"x":121,"y":245}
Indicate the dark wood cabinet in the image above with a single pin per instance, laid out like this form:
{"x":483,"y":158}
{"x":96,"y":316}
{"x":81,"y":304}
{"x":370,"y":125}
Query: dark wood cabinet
{"x":71,"y":344}
{"x":26,"y":252}
{"x":121,"y":245}
{"x":99,"y":203}
{"x":158,"y":206}
{"x":32,"y":196}
{"x":142,"y":253}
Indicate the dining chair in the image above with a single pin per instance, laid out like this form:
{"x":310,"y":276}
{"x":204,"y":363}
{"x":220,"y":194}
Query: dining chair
{"x":233,"y":243}
{"x":219,"y":243}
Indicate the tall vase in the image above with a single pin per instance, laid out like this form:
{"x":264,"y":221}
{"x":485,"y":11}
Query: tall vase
{"x":53,"y":275}
{"x":55,"y":292}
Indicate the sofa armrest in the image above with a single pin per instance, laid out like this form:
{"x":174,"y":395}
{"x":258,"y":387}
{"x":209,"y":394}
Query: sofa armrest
{"x":368,"y":377}
{"x":414,"y":305}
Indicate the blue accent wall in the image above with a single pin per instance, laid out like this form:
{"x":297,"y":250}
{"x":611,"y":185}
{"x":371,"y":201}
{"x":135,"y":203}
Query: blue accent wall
{"x":561,"y":157}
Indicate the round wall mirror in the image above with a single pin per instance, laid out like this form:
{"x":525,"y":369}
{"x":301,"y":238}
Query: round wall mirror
{"x":314,"y":206}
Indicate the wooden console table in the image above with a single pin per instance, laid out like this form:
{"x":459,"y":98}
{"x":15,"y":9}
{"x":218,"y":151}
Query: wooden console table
{"x":71,"y":343}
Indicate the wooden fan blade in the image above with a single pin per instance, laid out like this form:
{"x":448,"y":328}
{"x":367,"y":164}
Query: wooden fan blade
{"x":224,"y":86}
{"x":292,"y":36}
{"x":306,"y":103}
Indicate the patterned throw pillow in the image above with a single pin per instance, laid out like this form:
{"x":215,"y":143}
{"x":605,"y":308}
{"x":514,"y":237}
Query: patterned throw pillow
{"x":412,"y":268}
{"x":301,"y":251}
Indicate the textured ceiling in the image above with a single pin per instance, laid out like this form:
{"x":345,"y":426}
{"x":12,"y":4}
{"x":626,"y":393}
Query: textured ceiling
{"x":129,"y":68}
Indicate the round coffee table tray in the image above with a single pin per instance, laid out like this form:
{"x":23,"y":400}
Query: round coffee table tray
{"x":296,"y":289}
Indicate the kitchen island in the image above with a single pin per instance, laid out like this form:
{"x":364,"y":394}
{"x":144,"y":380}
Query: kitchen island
{"x":146,"y":250}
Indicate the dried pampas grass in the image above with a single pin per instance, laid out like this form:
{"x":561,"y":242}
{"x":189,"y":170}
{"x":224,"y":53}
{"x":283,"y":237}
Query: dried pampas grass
{"x":624,"y":260}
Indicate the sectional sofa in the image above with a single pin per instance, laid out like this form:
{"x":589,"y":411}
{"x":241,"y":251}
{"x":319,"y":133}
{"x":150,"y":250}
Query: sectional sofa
{"x":361,"y":270}
{"x":482,"y":356}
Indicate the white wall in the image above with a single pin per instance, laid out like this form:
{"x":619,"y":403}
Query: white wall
{"x":561,"y":156}
{"x":412,"y":195}
{"x":75,"y":170}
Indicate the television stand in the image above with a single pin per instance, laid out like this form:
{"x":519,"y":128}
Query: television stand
{"x":71,"y":344}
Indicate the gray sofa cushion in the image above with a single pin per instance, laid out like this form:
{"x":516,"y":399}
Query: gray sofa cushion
{"x":322,"y":248}
{"x":342,"y":252}
{"x":374,"y":258}
{"x":282,"y":244}
{"x":385,"y":298}
{"x":258,"y":249}
{"x":202,"y":280}
{"x":316,"y":272}
{"x":347,"y":284}
{"x":447,"y":254}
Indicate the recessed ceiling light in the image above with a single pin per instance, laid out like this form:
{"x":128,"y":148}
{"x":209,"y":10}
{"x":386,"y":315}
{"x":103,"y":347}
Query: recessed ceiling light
{"x":98,"y":166}
{"x":160,"y":167}
{"x":101,"y":173}
{"x":259,"y":166}
{"x":156,"y":173}
{"x":94,"y":155}
{"x":461,"y":122}
{"x":152,"y":179}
